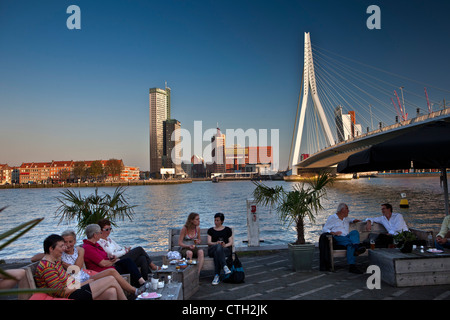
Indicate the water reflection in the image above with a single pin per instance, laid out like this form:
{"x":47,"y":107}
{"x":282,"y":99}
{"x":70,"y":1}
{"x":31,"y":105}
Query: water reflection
{"x":163,"y":206}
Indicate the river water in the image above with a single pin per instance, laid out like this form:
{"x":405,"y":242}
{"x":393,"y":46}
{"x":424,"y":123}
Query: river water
{"x":162,"y":206}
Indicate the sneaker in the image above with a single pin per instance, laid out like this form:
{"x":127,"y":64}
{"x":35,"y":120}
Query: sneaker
{"x":216,"y":280}
{"x":145,"y":286}
{"x":360,"y":250}
{"x":226,"y":270}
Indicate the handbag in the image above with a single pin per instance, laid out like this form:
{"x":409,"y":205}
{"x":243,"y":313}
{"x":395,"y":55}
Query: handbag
{"x":237,"y":274}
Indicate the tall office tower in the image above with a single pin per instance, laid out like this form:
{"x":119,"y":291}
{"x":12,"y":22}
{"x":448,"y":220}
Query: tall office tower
{"x":168,"y":100}
{"x":159,"y":112}
{"x":172,"y":137}
{"x":218,"y":152}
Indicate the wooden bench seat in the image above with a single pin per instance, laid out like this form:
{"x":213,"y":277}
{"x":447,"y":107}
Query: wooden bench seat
{"x":337,"y":251}
{"x":30,"y":284}
{"x":174,"y":234}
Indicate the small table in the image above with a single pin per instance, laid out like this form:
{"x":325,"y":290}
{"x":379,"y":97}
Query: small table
{"x":172,"y":292}
{"x":187,"y":276}
{"x":411,"y":269}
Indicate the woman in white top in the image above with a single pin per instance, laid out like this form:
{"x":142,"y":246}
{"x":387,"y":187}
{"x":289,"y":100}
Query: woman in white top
{"x":114,"y":250}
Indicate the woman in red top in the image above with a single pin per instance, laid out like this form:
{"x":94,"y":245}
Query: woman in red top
{"x":51,"y":274}
{"x":97,"y":259}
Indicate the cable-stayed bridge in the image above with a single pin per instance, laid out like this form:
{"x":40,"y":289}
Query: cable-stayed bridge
{"x":346,"y":106}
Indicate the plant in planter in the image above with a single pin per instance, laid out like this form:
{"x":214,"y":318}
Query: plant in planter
{"x":405,"y":240}
{"x":294,"y":206}
{"x":90,"y":209}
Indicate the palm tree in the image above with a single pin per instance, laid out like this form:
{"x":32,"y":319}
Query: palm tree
{"x":304,"y":201}
{"x":90,"y":209}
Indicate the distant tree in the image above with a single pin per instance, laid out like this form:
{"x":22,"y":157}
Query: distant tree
{"x":96,"y":169}
{"x":64,"y":175}
{"x":114,"y":167}
{"x":79,"y":170}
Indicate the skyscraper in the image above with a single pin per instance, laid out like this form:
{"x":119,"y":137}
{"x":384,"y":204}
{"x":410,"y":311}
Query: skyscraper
{"x":171,"y":139}
{"x":218,"y":153}
{"x":159,"y":112}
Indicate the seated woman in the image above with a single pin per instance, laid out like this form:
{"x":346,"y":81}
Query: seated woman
{"x":190,"y":238}
{"x":137,"y":255}
{"x":74,"y":256}
{"x":97,"y":259}
{"x":51,"y":274}
{"x":220,"y":241}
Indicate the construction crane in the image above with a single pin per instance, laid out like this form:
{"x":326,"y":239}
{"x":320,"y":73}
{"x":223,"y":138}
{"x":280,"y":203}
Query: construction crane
{"x":396,"y":109}
{"x":428,"y":101}
{"x":402,"y":111}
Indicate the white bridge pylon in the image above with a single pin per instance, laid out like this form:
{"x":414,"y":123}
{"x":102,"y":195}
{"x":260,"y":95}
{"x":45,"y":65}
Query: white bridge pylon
{"x":309,"y":85}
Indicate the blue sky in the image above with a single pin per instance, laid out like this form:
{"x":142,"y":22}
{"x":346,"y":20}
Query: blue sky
{"x":83,"y":94}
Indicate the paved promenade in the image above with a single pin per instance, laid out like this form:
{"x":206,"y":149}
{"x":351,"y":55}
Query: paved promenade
{"x":268,"y":276}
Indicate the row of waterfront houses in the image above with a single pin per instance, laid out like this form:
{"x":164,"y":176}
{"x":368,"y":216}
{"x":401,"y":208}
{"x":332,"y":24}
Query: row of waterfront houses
{"x":63,"y":171}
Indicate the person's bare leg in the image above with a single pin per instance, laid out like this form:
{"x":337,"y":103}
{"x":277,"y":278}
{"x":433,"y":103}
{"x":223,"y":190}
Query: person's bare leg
{"x":5,"y":283}
{"x":100,"y":289}
{"x":200,"y":260}
{"x":108,"y":294}
{"x":122,"y":282}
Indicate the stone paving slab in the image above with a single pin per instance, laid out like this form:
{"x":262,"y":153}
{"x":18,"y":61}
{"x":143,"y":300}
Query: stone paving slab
{"x":269,"y":277}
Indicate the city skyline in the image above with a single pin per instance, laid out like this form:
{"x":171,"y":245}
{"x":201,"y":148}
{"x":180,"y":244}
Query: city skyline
{"x":83,"y":94}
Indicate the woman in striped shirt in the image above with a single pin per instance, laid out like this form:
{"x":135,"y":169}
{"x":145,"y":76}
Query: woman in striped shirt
{"x":51,"y":274}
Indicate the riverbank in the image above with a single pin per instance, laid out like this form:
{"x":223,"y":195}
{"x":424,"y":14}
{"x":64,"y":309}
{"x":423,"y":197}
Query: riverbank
{"x":97,"y":184}
{"x":408,"y":175}
{"x":292,"y":178}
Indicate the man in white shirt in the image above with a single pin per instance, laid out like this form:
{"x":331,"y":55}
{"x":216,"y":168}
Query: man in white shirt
{"x":338,"y":225}
{"x":442,"y":238}
{"x":393,"y":222}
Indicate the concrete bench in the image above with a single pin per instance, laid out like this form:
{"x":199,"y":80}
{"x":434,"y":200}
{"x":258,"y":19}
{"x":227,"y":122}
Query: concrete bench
{"x":174,"y":234}
{"x":337,"y":251}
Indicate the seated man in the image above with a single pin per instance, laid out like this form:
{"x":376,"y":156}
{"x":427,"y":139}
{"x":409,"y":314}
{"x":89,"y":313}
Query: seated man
{"x":393,"y":222}
{"x":443,"y":237}
{"x":338,"y":226}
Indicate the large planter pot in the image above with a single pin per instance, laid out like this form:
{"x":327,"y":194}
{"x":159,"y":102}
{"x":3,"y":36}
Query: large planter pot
{"x":301,"y":256}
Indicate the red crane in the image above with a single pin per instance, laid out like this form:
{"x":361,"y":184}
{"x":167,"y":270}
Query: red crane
{"x":396,"y":109}
{"x":404,"y":115}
